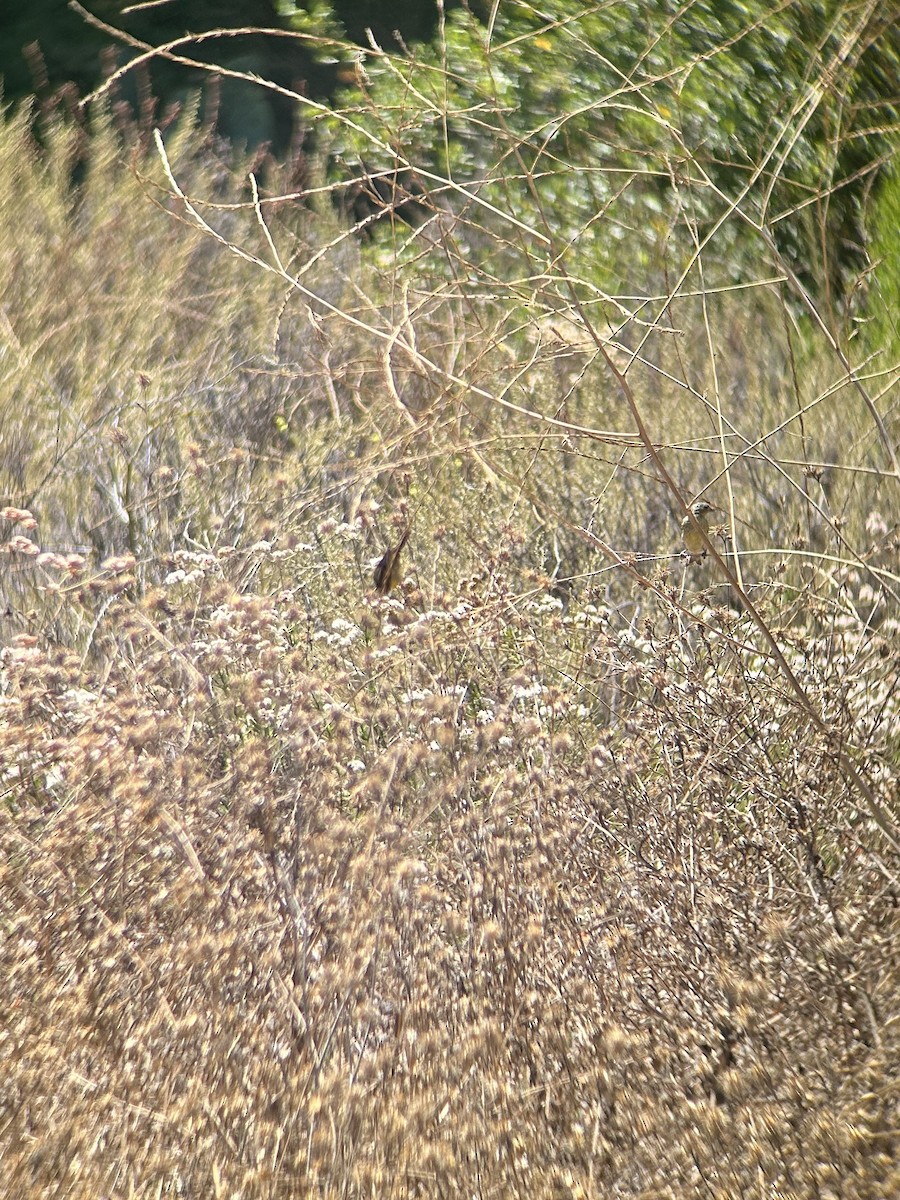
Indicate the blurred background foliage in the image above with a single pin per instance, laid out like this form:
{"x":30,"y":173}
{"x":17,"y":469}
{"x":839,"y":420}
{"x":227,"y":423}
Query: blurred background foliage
{"x":628,"y":119}
{"x":670,"y":113}
{"x":47,"y":44}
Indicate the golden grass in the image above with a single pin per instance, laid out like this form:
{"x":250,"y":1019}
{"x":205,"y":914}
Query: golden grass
{"x":538,"y":877}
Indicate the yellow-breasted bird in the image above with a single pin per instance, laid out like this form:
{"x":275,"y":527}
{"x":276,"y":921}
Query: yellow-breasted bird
{"x":697,"y":519}
{"x":387,"y":573}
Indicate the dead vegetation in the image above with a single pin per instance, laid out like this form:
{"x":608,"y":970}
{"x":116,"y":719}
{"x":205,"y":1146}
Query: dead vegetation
{"x":569,"y":868}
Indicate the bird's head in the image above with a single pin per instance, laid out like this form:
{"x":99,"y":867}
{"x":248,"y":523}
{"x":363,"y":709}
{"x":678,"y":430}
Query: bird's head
{"x":702,"y":507}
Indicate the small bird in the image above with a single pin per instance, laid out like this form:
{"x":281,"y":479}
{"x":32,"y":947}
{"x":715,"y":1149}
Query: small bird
{"x":387,"y":573}
{"x":691,"y":526}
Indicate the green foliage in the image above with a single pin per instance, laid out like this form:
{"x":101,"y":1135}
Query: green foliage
{"x":882,"y":306}
{"x":314,"y":18}
{"x":573,"y":117}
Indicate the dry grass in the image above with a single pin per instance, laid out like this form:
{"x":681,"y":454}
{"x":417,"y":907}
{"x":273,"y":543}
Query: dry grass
{"x":544,"y":876}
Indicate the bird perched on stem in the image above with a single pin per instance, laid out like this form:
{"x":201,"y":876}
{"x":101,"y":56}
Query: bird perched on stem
{"x":697,"y":519}
{"x":387,"y":573}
